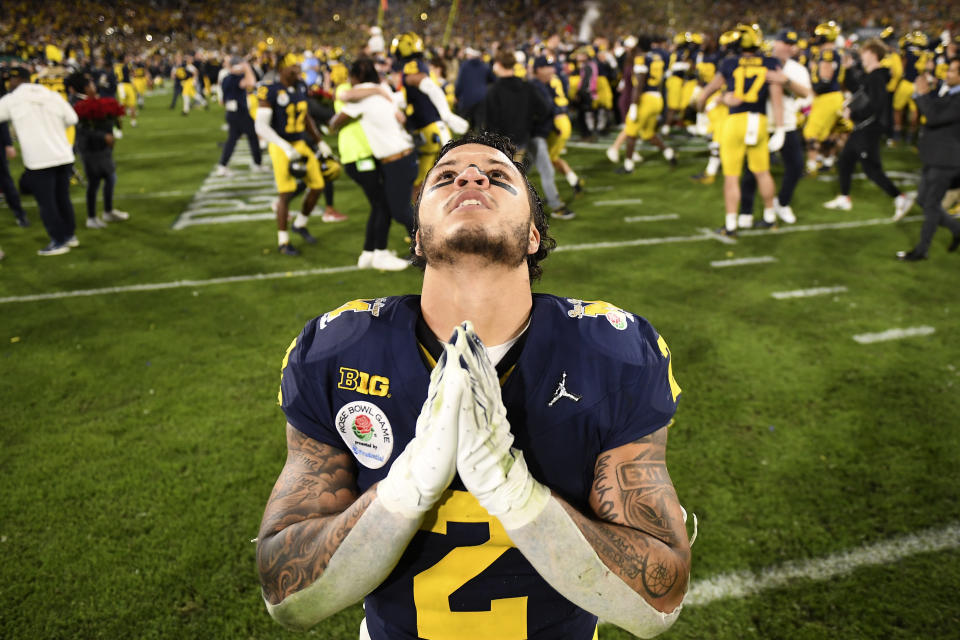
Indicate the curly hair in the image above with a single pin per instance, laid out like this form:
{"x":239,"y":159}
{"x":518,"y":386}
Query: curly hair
{"x":540,"y":220}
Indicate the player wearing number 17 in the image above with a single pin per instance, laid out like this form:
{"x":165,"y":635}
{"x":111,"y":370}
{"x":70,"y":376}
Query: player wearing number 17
{"x":517,"y":490}
{"x":749,"y":80}
{"x":284,"y":122}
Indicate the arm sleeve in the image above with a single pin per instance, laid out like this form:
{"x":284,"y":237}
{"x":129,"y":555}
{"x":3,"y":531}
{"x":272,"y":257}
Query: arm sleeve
{"x":265,"y":131}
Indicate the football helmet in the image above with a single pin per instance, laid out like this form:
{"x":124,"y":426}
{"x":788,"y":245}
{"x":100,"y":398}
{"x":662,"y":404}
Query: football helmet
{"x":750,"y":36}
{"x":728,"y":38}
{"x":406,"y":45}
{"x":298,"y":167}
{"x":827,"y":31}
{"x":329,"y":169}
{"x":918,"y":39}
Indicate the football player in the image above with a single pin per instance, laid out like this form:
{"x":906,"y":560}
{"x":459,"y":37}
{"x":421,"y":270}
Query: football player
{"x":283,"y":121}
{"x":827,"y":107}
{"x":915,"y":57}
{"x":646,"y":105}
{"x":546,"y":74}
{"x":126,"y":92}
{"x":716,"y":110}
{"x":428,"y":113}
{"x":141,"y":80}
{"x":749,"y":79}
{"x":427,"y":476}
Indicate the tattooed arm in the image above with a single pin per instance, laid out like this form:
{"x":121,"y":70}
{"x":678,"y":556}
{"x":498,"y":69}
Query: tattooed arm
{"x":310,"y":550}
{"x":642,"y":536}
{"x":631,"y":565}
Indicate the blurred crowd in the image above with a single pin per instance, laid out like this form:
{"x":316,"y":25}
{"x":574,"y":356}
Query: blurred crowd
{"x":571,"y":68}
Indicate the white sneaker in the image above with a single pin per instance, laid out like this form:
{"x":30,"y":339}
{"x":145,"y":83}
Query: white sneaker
{"x":72,"y":242}
{"x":115,"y":216}
{"x":259,"y":168}
{"x":96,"y":223}
{"x":365,"y":261}
{"x":613,"y":155}
{"x":785,"y":213}
{"x":841,"y":202}
{"x":902,"y":204}
{"x":636,"y":157}
{"x":223,"y":171}
{"x":386,"y":261}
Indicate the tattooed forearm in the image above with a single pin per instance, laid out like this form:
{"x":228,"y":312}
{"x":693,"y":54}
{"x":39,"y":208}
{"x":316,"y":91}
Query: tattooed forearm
{"x":295,"y":557}
{"x":641,"y":535}
{"x":313,"y":506}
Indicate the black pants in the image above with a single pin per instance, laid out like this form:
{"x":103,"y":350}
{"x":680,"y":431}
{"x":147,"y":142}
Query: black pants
{"x":8,"y":187}
{"x":51,"y":188}
{"x":934,"y":183}
{"x":99,"y":168}
{"x":792,"y":155}
{"x":863,"y":145}
{"x":397,"y":178}
{"x":177,"y":91}
{"x":378,"y":222}
{"x":240,"y":124}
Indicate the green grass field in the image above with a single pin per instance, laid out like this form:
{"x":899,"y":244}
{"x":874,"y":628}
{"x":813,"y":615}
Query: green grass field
{"x":141,"y":438}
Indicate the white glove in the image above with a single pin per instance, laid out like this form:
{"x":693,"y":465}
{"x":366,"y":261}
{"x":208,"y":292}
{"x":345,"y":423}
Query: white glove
{"x":457,"y":124}
{"x":632,"y":112}
{"x":324,"y":149}
{"x":426,"y":467}
{"x":292,"y":154}
{"x":776,"y":140}
{"x":494,"y":472}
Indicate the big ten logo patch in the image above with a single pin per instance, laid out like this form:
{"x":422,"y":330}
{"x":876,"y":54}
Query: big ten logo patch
{"x":363,"y":382}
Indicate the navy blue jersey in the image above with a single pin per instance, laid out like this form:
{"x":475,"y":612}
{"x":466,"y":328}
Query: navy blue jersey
{"x":590,"y":377}
{"x":234,"y":96}
{"x":289,"y":106}
{"x":421,"y":111}
{"x":746,"y":76}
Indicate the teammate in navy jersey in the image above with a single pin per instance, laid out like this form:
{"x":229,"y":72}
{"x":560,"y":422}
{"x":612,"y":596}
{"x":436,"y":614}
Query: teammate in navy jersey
{"x":517,"y":490}
{"x":234,"y":88}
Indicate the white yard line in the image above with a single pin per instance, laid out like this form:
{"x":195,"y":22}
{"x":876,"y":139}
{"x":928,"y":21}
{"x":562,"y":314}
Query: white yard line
{"x":178,"y":284}
{"x":893,"y":334}
{"x":742,"y":584}
{"x":612,"y":203}
{"x":739,"y":262}
{"x":807,"y":293}
{"x":665,"y":216}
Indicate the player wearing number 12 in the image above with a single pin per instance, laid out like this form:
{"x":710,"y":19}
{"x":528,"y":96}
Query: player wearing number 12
{"x":749,"y":80}
{"x":283,"y":121}
{"x":513,"y":491}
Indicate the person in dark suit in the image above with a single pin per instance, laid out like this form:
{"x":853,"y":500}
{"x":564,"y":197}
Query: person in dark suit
{"x":940,"y":153}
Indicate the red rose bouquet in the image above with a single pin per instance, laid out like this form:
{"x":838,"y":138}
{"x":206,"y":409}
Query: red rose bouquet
{"x":99,"y":113}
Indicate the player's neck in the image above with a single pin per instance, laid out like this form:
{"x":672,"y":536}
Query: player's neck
{"x":497,"y":300}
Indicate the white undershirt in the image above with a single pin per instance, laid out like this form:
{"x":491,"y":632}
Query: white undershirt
{"x":497,"y":352}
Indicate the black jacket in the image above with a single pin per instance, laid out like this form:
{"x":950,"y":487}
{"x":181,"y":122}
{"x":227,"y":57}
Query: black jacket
{"x":940,"y":136}
{"x":870,"y":103}
{"x":513,"y":108}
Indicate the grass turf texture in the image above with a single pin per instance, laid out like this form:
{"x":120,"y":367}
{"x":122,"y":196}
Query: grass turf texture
{"x":140,"y":437}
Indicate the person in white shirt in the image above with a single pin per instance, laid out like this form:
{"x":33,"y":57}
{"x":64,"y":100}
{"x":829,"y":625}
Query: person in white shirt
{"x":392,"y":146}
{"x":40,"y":117}
{"x":797,"y":91}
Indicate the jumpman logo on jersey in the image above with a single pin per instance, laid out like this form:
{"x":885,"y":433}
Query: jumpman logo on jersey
{"x":561,"y":392}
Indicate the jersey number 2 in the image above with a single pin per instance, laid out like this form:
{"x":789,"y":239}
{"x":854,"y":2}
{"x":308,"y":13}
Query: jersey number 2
{"x":507,"y":617}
